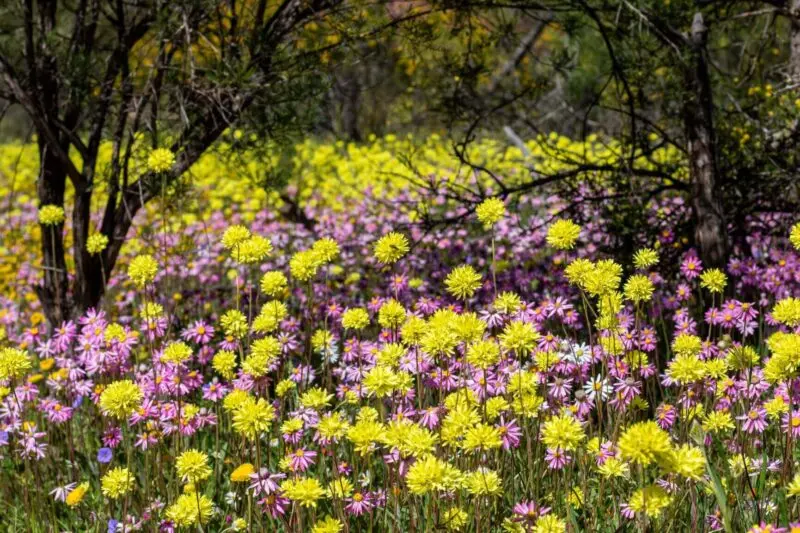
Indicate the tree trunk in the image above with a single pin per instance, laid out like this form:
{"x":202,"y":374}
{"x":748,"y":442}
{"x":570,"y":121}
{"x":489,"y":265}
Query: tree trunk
{"x":53,"y":292}
{"x":794,"y":58}
{"x":709,"y":223}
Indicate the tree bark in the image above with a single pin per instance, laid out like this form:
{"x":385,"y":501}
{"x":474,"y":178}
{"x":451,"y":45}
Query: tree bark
{"x":53,"y":291}
{"x":709,"y":223}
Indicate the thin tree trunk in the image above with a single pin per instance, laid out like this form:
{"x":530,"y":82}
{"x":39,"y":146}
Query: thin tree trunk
{"x":709,"y":223}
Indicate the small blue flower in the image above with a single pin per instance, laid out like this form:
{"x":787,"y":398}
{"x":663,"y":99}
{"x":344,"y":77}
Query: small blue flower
{"x":104,"y":455}
{"x":112,"y":524}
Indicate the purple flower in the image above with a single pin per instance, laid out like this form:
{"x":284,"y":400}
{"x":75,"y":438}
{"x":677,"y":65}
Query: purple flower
{"x":104,"y":455}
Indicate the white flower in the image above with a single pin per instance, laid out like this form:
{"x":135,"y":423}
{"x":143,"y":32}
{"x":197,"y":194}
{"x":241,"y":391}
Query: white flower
{"x":597,"y":385}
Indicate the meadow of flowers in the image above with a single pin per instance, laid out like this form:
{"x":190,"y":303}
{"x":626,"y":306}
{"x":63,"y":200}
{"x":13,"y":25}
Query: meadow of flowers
{"x":495,"y":374}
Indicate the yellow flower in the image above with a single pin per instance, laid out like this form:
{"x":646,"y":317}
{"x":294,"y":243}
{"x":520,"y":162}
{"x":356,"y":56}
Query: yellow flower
{"x":355,"y":318}
{"x":519,"y":337}
{"x":190,"y":509}
{"x":234,"y":323}
{"x":455,"y":518}
{"x":563,"y":431}
{"x":234,"y":236}
{"x":14,"y":363}
{"x":718,"y":421}
{"x":76,"y":495}
{"x":263,"y":352}
{"x":315,"y":398}
{"x":327,"y":525}
{"x":391,"y":247}
{"x":51,"y":215}
{"x":274,"y":283}
{"x":550,"y":523}
{"x":305,"y":491}
{"x":482,"y":437}
{"x":650,"y":500}
{"x":686,"y":369}
{"x":645,"y":258}
{"x":176,"y":352}
{"x":490,"y":212}
{"x":787,"y":311}
{"x":639,"y":288}
{"x":430,"y":474}
{"x":644,"y":443}
{"x":160,"y":160}
{"x":142,"y":270}
{"x":484,"y":482}
{"x":794,"y":236}
{"x":252,"y":250}
{"x":563,"y":234}
{"x":714,"y":280}
{"x":224,"y":363}
{"x":326,"y":249}
{"x":688,"y":461}
{"x":192,"y":466}
{"x":242,"y":473}
{"x":117,"y":483}
{"x":121,"y":398}
{"x":483,"y":354}
{"x":303,"y":265}
{"x":96,"y":243}
{"x":462,"y":282}
{"x":253,"y":417}
{"x":793,"y":488}
{"x":391,"y":314}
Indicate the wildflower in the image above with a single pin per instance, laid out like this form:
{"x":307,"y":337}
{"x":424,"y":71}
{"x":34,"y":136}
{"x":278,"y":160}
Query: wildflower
{"x":484,"y":482}
{"x":77,"y":494}
{"x":315,"y":398}
{"x":462,"y":282}
{"x":391,"y":248}
{"x":650,"y":500}
{"x":326,"y":249}
{"x":391,"y":314}
{"x":755,"y":420}
{"x":563,"y":234}
{"x":253,"y":417}
{"x":96,"y":243}
{"x":519,"y":337}
{"x":686,"y":369}
{"x":794,"y":236}
{"x":714,"y":280}
{"x":121,"y":398}
{"x":483,"y":354}
{"x":563,"y":431}
{"x":14,"y":363}
{"x":355,"y":318}
{"x":51,"y":215}
{"x":160,"y":160}
{"x":482,"y":437}
{"x":718,"y":421}
{"x":142,"y":270}
{"x":793,"y":488}
{"x":507,"y":302}
{"x":328,"y":524}
{"x":305,"y":491}
{"x":688,"y":461}
{"x":190,"y":509}
{"x":224,"y":362}
{"x":639,"y":288}
{"x":242,"y":473}
{"x":192,"y":466}
{"x":490,"y":212}
{"x":263,"y":352}
{"x":176,"y":352}
{"x":303,"y":265}
{"x":644,"y":443}
{"x":455,"y":518}
{"x":431,"y":474}
{"x":104,"y":455}
{"x":550,"y":524}
{"x":645,"y":258}
{"x":234,"y":323}
{"x":117,"y":483}
{"x":274,"y":283}
{"x":787,"y":311}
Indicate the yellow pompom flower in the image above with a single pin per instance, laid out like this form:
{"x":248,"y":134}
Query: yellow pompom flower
{"x":714,"y":280}
{"x":687,"y":461}
{"x":650,"y":500}
{"x":430,"y":474}
{"x":121,"y":398}
{"x":550,"y":523}
{"x":793,"y":488}
{"x":563,"y":234}
{"x":234,"y":236}
{"x":96,"y":243}
{"x":644,"y":443}
{"x":160,"y":160}
{"x":490,"y":212}
{"x":328,"y":524}
{"x":638,"y":288}
{"x":391,"y":248}
{"x":326,"y":249}
{"x":224,"y":363}
{"x":274,"y":284}
{"x":176,"y":352}
{"x":645,"y":258}
{"x":484,"y":482}
{"x":391,"y":314}
{"x":234,"y":323}
{"x":794,"y":236}
{"x":51,"y":215}
{"x":242,"y":473}
{"x":563,"y":431}
{"x":14,"y":363}
{"x":253,"y":417}
{"x":462,"y":282}
{"x":787,"y":311}
{"x":142,"y":270}
{"x":192,"y":466}
{"x":190,"y":509}
{"x":252,"y":250}
{"x":117,"y":483}
{"x":482,"y":437}
{"x":315,"y":398}
{"x":355,"y":318}
{"x":303,"y":265}
{"x":483,"y":354}
{"x":519,"y":337}
{"x":304,"y":491}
